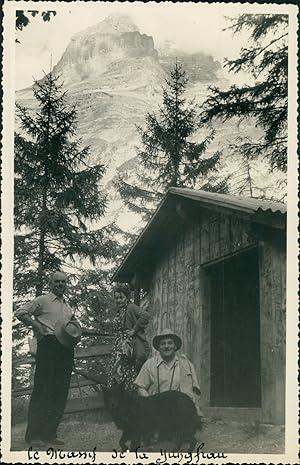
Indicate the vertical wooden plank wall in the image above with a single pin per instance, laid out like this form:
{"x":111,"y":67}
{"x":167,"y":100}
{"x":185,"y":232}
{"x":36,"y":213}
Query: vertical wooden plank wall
{"x":272,"y":289}
{"x":213,"y":227}
{"x":203,"y":291}
{"x":279,"y":336}
{"x":155,"y":304}
{"x":266,"y":337}
{"x":180,"y":299}
{"x":180,"y":291}
{"x":172,"y":277}
{"x":196,"y":331}
{"x":174,"y":287}
{"x":189,"y":267}
{"x":164,"y":290}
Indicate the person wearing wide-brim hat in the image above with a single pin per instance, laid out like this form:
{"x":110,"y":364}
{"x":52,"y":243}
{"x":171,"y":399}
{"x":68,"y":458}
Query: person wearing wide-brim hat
{"x":168,"y":370}
{"x":166,"y":333}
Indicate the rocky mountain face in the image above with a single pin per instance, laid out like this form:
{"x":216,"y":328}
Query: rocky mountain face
{"x":100,"y":52}
{"x":114,"y":73}
{"x":198,"y":66}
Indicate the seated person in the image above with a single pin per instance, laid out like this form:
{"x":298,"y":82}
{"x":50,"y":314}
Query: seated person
{"x":168,"y":370}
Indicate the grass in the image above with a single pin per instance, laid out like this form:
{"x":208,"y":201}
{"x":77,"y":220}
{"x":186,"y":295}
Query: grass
{"x":84,"y":431}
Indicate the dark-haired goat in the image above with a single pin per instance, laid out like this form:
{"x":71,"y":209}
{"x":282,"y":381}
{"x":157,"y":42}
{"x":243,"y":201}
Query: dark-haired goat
{"x":172,"y":414}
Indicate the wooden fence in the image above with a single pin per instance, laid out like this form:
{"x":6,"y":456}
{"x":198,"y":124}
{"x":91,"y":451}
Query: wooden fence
{"x":80,"y":379}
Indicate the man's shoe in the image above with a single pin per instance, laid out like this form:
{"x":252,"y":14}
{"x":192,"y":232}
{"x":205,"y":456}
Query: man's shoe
{"x":56,"y":442}
{"x":37,"y":443}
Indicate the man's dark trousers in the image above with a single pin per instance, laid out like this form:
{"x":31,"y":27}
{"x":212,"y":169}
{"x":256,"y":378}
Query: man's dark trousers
{"x":53,"y":370}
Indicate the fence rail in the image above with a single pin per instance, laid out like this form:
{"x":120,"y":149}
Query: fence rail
{"x":25,"y":391}
{"x":80,"y":352}
{"x":86,"y":403}
{"x":80,"y":379}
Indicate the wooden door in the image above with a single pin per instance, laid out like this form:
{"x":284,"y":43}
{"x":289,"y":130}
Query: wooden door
{"x":235,"y":332}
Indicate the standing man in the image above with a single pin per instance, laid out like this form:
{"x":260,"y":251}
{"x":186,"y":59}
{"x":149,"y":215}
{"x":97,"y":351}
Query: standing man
{"x":47,"y":315}
{"x":168,"y":370}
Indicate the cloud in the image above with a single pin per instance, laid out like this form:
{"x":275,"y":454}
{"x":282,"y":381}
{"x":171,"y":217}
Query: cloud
{"x":192,"y":27}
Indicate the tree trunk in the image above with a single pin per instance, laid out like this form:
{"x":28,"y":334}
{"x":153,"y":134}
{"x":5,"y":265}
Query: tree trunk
{"x":249,"y":178}
{"x":40,"y":271}
{"x":41,"y":259}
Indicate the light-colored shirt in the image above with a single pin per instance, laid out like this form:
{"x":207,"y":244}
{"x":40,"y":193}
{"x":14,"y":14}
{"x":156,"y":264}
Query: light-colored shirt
{"x":155,"y":377}
{"x":47,"y":310}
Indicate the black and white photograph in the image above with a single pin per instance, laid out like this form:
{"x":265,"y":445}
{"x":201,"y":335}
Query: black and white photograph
{"x":149,"y":246}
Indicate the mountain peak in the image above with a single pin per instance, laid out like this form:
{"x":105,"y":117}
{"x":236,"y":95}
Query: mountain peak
{"x":118,"y":22}
{"x":115,"y":23}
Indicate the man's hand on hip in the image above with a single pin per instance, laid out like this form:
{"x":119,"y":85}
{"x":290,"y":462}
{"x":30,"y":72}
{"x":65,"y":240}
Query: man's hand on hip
{"x":39,"y":328}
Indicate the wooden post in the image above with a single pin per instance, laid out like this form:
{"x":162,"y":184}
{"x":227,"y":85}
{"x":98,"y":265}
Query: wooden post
{"x":135,"y":282}
{"x":272,"y":287}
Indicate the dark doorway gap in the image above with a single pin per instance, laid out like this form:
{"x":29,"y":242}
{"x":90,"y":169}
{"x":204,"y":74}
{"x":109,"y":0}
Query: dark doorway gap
{"x":235,"y":332}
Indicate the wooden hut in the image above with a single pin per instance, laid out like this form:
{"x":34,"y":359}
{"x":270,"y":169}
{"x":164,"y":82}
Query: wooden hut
{"x":214,"y":269}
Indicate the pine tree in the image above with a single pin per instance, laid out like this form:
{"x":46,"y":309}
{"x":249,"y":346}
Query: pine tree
{"x":57,"y":194}
{"x":167,"y":147}
{"x":265,"y":100}
{"x":138,"y":194}
{"x":169,"y":155}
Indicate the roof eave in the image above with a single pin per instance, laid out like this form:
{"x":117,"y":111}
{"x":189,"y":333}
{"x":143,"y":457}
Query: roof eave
{"x":140,"y":237}
{"x":204,"y":203}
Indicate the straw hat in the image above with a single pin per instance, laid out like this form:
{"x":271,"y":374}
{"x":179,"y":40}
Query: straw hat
{"x":68,"y":332}
{"x":166,"y":333}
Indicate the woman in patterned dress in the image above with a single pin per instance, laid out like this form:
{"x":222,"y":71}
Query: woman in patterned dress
{"x":130,"y":346}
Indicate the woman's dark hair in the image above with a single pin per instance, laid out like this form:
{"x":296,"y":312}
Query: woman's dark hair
{"x":123,"y":288}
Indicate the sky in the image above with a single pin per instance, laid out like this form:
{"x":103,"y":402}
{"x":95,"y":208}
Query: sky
{"x":191,"y":26}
